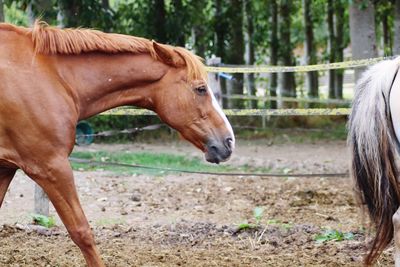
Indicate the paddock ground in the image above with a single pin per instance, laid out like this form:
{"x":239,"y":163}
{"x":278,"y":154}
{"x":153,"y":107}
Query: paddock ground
{"x":192,"y":220}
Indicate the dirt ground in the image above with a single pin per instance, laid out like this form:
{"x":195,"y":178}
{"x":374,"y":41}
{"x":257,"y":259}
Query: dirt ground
{"x":192,"y":220}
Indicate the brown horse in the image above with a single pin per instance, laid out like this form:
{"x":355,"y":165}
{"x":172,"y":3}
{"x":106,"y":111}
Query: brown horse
{"x":52,"y":78}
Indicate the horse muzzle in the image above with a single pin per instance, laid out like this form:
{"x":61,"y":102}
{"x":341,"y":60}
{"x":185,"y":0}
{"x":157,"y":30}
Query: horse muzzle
{"x":218,"y":151}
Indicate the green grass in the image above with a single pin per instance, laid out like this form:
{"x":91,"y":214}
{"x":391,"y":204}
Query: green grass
{"x":295,"y":135}
{"x":333,"y":235}
{"x":161,"y":160}
{"x":109,"y":221}
{"x":258,"y":213}
{"x":43,"y":220}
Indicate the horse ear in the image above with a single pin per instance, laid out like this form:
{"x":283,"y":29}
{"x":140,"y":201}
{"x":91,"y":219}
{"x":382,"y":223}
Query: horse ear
{"x":168,"y":55}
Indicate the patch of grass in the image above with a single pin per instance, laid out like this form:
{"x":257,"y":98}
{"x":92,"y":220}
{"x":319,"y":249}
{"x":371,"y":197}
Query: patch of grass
{"x":109,"y":222}
{"x":161,"y":160}
{"x":286,"y":226}
{"x":333,"y":235}
{"x":295,"y":135}
{"x":258,"y":213}
{"x":43,"y":220}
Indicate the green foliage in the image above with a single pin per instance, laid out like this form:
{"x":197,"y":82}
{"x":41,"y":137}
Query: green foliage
{"x":258,"y":214}
{"x":286,"y":226}
{"x":44,"y":221}
{"x":14,"y":15}
{"x":333,"y":235}
{"x":105,"y":123}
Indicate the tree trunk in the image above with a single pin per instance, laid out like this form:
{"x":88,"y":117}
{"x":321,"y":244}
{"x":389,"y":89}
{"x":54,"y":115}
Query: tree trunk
{"x":40,"y":8}
{"x":220,"y":28}
{"x":199,"y":47}
{"x":1,"y":11}
{"x":396,"y":41}
{"x":362,"y":32}
{"x":105,"y":4}
{"x":387,"y":46}
{"x":250,"y":57}
{"x":286,"y":50}
{"x":160,"y":21}
{"x":331,"y":48}
{"x":107,"y":22}
{"x":340,"y":46}
{"x":177,"y":17}
{"x":236,"y":51}
{"x":309,"y":47}
{"x":274,"y":46}
{"x":68,"y":15}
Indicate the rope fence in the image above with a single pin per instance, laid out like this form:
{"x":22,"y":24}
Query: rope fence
{"x":245,"y":112}
{"x":289,"y":99}
{"x":351,"y":64}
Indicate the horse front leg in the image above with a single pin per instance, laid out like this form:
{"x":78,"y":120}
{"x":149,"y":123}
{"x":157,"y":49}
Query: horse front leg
{"x":6,"y":175}
{"x":58,"y":182}
{"x":396,"y":236}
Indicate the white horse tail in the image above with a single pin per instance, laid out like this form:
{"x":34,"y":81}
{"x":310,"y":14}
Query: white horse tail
{"x":373,"y":145}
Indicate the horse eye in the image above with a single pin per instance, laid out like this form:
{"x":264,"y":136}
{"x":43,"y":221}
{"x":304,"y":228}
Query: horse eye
{"x":201,"y":90}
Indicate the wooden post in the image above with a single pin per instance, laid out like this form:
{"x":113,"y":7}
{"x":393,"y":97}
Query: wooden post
{"x":213,"y":79}
{"x":41,"y":201}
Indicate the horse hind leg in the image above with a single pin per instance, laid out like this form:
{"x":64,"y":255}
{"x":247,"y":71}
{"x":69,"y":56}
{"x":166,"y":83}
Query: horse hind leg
{"x":396,"y":235}
{"x":6,"y":177}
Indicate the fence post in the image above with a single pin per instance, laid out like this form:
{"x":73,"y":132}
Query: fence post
{"x":41,"y":201}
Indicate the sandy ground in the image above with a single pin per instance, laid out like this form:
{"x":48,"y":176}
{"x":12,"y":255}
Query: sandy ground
{"x":192,"y":220}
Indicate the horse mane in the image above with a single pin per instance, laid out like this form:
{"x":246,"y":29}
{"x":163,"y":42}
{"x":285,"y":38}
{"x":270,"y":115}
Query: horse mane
{"x":51,"y":40}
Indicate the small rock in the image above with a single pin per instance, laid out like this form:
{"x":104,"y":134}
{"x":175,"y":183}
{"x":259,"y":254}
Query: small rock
{"x":135,"y":197}
{"x":117,"y":234}
{"x":228,"y":189}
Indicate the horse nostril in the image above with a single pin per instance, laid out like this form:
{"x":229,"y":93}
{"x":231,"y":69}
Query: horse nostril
{"x":228,"y":143}
{"x":214,"y":149}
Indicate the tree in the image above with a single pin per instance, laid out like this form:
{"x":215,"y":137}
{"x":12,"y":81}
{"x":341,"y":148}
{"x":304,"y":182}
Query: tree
{"x":201,"y":24}
{"x":362,"y":31}
{"x":1,"y":11}
{"x":250,"y":53}
{"x":341,"y":40}
{"x":384,"y":21}
{"x":85,"y":13}
{"x":177,"y":20}
{"x":396,"y":41}
{"x":286,"y":49}
{"x":274,"y":50}
{"x":331,"y":47}
{"x":310,"y":51}
{"x":42,"y":9}
{"x":235,"y":53}
{"x":160,"y":21}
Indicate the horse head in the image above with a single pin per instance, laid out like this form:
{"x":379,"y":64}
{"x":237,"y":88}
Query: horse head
{"x":186,"y":103}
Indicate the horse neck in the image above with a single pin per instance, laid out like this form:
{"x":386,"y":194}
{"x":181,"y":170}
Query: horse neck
{"x":103,"y":81}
